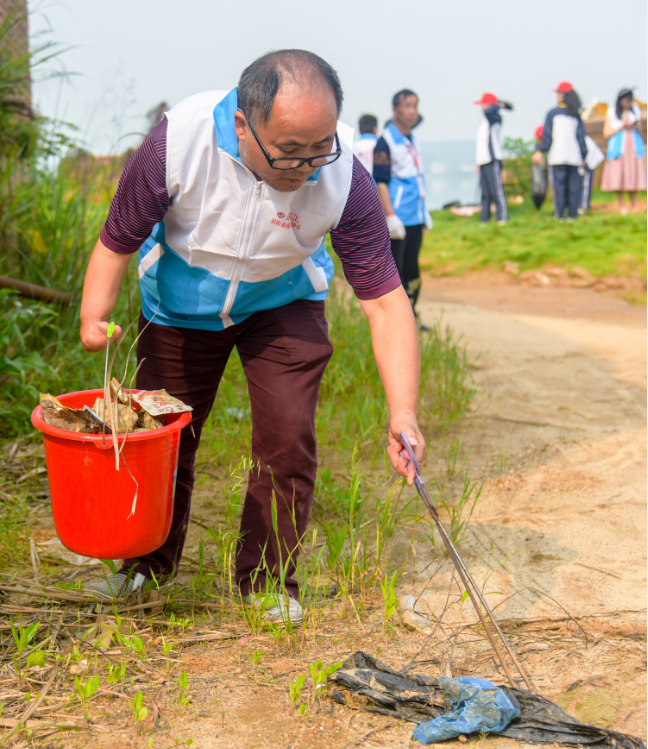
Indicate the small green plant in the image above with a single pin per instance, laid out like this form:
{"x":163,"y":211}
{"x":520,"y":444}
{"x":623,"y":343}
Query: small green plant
{"x":167,"y":647}
{"x":134,"y":643}
{"x":319,"y":675}
{"x":116,"y":674}
{"x":85,"y":690}
{"x":183,"y":685}
{"x":295,"y":690}
{"x":138,"y":710}
{"x":35,"y":658}
{"x":257,"y":656}
{"x":390,"y":600}
{"x":22,"y":637}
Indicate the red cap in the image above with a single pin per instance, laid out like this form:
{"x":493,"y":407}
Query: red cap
{"x":564,"y":87}
{"x":538,"y":132}
{"x":487,"y":99}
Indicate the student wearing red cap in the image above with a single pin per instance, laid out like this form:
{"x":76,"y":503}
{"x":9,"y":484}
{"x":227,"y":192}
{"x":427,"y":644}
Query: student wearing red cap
{"x":563,"y":140}
{"x":489,"y":158}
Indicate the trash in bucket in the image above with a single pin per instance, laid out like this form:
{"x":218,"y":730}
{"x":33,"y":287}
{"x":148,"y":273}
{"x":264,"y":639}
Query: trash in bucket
{"x":92,"y":502}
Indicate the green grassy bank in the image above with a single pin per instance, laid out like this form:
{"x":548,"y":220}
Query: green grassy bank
{"x":604,"y":243}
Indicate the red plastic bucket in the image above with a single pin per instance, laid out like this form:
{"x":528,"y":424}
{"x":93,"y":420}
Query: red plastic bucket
{"x":92,"y":501}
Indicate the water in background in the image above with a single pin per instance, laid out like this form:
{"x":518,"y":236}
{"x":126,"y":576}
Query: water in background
{"x":450,"y":172}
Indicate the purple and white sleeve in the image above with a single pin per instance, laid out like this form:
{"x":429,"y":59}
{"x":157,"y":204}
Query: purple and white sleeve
{"x":361,"y":239}
{"x":142,"y":198}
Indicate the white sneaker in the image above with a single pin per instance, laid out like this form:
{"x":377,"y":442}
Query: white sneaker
{"x":116,"y":586}
{"x":276,"y":611}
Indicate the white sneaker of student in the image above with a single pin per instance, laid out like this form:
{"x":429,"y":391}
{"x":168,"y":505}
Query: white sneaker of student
{"x":278,"y":610}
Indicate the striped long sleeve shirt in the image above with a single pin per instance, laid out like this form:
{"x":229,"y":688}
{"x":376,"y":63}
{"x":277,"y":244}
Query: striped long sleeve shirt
{"x":361,"y":239}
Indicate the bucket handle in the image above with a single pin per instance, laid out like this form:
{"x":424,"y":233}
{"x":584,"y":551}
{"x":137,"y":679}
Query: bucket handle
{"x":107,"y":446}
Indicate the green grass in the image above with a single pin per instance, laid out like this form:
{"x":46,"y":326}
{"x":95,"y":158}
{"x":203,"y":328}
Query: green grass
{"x":602,"y":243}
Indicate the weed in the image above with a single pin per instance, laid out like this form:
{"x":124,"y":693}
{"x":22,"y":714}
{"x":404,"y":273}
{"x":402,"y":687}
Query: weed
{"x":116,"y":674}
{"x":138,"y":710}
{"x":295,"y":690}
{"x":257,"y":656}
{"x":167,"y":647}
{"x":183,"y":685}
{"x":319,"y":675}
{"x":85,"y":691}
{"x":22,"y":637}
{"x":390,"y":600}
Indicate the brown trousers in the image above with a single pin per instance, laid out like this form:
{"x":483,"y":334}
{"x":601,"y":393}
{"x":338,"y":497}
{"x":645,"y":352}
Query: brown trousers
{"x":284,"y":353}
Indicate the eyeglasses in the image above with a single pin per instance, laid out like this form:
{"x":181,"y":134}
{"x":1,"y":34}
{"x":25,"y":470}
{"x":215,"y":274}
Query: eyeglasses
{"x":288,"y":163}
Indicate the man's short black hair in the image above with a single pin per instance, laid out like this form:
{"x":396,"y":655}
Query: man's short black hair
{"x":367,"y":124}
{"x":404,"y":93}
{"x":260,"y":81}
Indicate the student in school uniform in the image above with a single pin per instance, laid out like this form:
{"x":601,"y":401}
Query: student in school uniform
{"x":398,"y":172}
{"x":489,"y":158}
{"x":363,"y":147}
{"x":563,"y":140}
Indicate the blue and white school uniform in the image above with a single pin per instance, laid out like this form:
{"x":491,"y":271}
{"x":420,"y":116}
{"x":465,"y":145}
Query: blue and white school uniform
{"x":563,"y":139}
{"x":489,"y":157}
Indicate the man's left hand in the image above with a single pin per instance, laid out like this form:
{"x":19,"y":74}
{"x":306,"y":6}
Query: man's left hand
{"x":409,"y":425}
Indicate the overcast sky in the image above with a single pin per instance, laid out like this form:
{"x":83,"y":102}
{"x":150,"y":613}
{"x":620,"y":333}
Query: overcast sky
{"x":131,"y":55}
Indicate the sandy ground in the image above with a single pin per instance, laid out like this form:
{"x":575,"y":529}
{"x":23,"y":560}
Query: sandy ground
{"x":562,"y":380}
{"x":558,"y":537}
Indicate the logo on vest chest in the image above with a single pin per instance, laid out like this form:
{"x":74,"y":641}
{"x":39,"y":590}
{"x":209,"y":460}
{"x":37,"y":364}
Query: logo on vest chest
{"x":286,"y":221}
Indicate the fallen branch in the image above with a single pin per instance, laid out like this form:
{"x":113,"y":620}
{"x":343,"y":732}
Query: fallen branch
{"x":33,"y":291}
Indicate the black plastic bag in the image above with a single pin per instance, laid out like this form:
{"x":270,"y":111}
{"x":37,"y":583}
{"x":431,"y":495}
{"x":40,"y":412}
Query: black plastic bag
{"x":369,"y":684}
{"x":538,"y":184}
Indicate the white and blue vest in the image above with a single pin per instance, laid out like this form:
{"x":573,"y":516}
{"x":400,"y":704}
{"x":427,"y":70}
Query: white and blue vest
{"x":363,"y":150}
{"x":229,"y":245}
{"x":407,"y":182}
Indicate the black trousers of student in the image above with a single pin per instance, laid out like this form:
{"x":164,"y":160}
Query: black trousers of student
{"x":492,"y":191}
{"x":566,"y":189}
{"x":406,"y":256}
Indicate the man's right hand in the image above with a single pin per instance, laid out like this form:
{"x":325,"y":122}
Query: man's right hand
{"x":537,"y":157}
{"x":395,"y":226}
{"x":94,"y":335}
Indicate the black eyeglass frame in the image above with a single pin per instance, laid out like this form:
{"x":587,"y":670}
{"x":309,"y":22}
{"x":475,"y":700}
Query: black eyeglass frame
{"x":300,"y":162}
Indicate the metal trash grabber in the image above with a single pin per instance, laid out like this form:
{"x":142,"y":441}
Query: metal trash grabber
{"x":470,"y":585}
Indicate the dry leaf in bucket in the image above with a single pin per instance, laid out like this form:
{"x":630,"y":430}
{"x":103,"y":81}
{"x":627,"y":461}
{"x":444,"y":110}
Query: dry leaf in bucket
{"x":126,"y":415}
{"x":64,"y":417}
{"x":117,"y":391}
{"x":145,"y":421}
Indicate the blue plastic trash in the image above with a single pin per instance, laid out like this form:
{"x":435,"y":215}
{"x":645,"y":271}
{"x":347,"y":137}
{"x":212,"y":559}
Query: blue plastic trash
{"x":478,"y":707}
